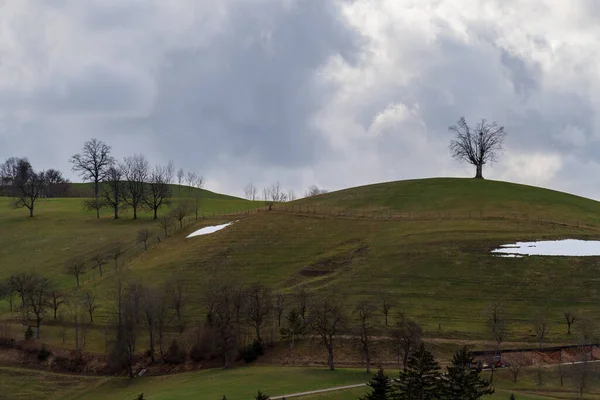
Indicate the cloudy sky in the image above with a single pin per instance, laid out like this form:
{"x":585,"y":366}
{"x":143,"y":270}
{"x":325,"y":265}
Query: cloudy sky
{"x":336,"y":93}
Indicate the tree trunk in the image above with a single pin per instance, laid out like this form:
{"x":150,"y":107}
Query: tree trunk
{"x":97,"y":212}
{"x":135,"y":212}
{"x":77,"y":277}
{"x":151,"y":333}
{"x":330,"y":351}
{"x":96,"y":184}
{"x":368,"y":358}
{"x":54,"y":312}
{"x":91,"y":316}
{"x":155,"y":213}
{"x":479,"y":171}
{"x":76,"y":332}
{"x":116,"y":209}
{"x":569,"y":328}
{"x":37,"y":329}
{"x":31,"y":210}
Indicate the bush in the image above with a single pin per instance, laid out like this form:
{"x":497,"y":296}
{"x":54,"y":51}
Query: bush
{"x":28,"y":333}
{"x":252,"y":351}
{"x":43,"y":354}
{"x":175,"y":354}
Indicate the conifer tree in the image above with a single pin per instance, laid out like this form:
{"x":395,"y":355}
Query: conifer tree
{"x":381,"y":387}
{"x":462,"y":382}
{"x":422,"y":379}
{"x":261,"y":396}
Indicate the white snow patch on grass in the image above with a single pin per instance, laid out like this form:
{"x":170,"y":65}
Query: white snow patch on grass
{"x":567,"y":247}
{"x":208,"y":229}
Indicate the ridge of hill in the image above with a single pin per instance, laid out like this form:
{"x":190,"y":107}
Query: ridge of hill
{"x":458,"y":196}
{"x":181,"y":191}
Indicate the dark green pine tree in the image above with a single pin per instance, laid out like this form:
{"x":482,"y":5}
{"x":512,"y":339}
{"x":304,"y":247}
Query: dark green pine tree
{"x":381,"y":387}
{"x":261,"y":396}
{"x":462,"y":382}
{"x":422,"y":379}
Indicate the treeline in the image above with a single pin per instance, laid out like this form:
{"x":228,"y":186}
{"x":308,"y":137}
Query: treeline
{"x":118,"y":185}
{"x":274,"y":193}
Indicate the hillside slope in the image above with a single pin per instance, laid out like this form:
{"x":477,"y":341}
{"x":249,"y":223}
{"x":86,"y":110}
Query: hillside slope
{"x":438,"y":270}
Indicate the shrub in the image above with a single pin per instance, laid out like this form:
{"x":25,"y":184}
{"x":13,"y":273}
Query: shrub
{"x":28,"y":333}
{"x":175,"y":354}
{"x":43,"y":353}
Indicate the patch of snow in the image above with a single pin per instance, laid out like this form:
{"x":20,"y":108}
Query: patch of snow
{"x":208,"y":229}
{"x":567,"y":247}
{"x":510,"y":256}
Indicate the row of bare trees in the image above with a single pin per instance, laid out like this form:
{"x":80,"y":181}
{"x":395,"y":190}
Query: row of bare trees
{"x":274,"y":193}
{"x":38,"y":296}
{"x":18,"y":179}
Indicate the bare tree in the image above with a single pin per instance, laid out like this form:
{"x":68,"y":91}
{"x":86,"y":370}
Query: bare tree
{"x":143,"y":236}
{"x":56,"y":184}
{"x":180,"y":176}
{"x":570,"y":319}
{"x":517,"y":362}
{"x":251,"y":192}
{"x":291,"y":195}
{"x":93,"y":162}
{"x":365,"y":312}
{"x":406,"y":337}
{"x":302,"y":297}
{"x":223,"y":319}
{"x":313,"y":190}
{"x":170,"y":172}
{"x":99,"y":260}
{"x":387,"y":305}
{"x":159,"y":190}
{"x":20,"y":283}
{"x":56,"y":299}
{"x":180,"y":212}
{"x":96,"y":204}
{"x":114,"y":189}
{"x":326,"y":320}
{"x":165,"y":223}
{"x":497,"y":322}
{"x":37,"y":300}
{"x":76,"y":306}
{"x":259,"y":307}
{"x":116,"y":251}
{"x":135,"y":170}
{"x":75,"y":266}
{"x":89,"y":302}
{"x":191,"y":178}
{"x":477,"y":145}
{"x":150,"y":305}
{"x":581,"y":371}
{"x":175,"y":291}
{"x":541,"y":328}
{"x":279,"y":306}
{"x":29,"y":186}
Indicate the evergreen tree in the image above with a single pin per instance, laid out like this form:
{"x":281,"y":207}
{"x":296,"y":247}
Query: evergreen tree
{"x":261,"y":396}
{"x":381,"y":387}
{"x":422,"y":379}
{"x":462,"y":382}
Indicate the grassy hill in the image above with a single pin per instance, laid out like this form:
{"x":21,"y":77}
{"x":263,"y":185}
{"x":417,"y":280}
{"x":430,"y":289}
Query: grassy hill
{"x":425,"y":243}
{"x":458,"y":198}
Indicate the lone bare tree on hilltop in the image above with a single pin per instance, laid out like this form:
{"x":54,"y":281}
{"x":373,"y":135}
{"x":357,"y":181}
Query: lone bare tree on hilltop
{"x":477,"y":145}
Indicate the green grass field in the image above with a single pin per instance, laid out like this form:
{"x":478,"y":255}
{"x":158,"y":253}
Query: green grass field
{"x":243,"y":383}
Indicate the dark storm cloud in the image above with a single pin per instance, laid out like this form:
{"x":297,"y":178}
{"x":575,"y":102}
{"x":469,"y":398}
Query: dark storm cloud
{"x":249,"y":93}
